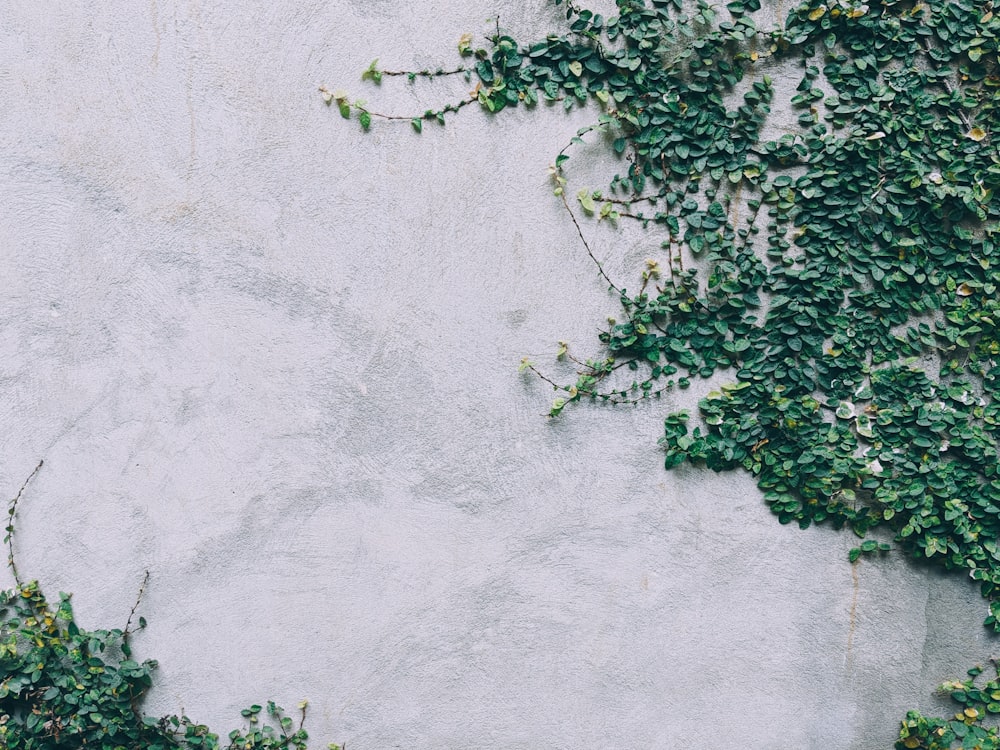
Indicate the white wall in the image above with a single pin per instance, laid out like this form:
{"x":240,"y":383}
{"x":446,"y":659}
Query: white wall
{"x":273,"y":360}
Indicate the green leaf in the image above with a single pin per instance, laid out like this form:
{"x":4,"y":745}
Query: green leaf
{"x":557,"y":406}
{"x":372,"y":72}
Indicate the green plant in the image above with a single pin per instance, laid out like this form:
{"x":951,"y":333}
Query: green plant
{"x":843,"y":274}
{"x":965,"y":729}
{"x":62,"y":686}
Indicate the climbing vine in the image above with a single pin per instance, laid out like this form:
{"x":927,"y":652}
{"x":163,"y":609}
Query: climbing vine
{"x":63,"y":687}
{"x":841,"y":273}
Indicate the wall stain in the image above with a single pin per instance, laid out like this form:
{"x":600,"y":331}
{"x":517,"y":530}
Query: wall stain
{"x":155,"y":59}
{"x":192,"y":151}
{"x":734,"y":206}
{"x":194,"y":13}
{"x":853,"y":616}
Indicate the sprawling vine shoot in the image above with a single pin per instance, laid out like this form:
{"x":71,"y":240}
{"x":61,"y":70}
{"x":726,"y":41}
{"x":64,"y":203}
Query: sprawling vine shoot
{"x":844,"y":273}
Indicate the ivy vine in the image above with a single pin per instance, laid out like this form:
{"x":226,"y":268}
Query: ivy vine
{"x":843,"y":274}
{"x":63,"y":687}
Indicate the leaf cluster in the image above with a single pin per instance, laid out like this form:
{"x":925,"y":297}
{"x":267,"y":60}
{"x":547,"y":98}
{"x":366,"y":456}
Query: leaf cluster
{"x":64,"y":687}
{"x":966,"y":728}
{"x":843,"y":274}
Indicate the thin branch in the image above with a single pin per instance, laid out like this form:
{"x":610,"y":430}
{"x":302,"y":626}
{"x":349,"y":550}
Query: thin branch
{"x":425,"y":116}
{"x":425,"y":73}
{"x":546,"y":378}
{"x":617,"y":400}
{"x":142,"y":590}
{"x":637,"y":199}
{"x":586,"y":245}
{"x":10,"y":524}
{"x":410,"y":118}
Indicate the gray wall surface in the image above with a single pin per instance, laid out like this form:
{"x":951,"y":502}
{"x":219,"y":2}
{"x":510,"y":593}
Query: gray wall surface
{"x":273,"y":360}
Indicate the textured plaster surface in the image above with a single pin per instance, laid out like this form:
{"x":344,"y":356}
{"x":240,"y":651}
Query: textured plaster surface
{"x":273,"y":360}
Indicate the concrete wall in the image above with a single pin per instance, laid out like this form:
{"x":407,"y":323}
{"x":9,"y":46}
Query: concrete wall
{"x":272,"y":360}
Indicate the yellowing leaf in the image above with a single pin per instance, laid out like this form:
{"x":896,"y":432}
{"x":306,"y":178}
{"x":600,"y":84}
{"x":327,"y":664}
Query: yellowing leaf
{"x":964,"y":290}
{"x":976,"y":134}
{"x":817,"y":13}
{"x":856,"y":12}
{"x":465,"y":44}
{"x":877,"y":135}
{"x":576,"y":68}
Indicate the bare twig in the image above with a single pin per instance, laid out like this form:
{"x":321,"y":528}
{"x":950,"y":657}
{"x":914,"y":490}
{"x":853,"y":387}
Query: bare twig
{"x":586,"y":245}
{"x":10,"y":523}
{"x":128,"y":624}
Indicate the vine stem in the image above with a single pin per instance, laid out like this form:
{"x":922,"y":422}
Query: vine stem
{"x":617,"y":400}
{"x":10,"y":524}
{"x":426,"y":73}
{"x":408,"y":118}
{"x":546,"y":378}
{"x":586,"y":245}
{"x":637,"y":199}
{"x":138,"y":600}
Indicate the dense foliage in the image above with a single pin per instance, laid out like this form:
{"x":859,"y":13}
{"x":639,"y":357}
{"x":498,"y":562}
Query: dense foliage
{"x":843,"y":274}
{"x":963,"y":730}
{"x":63,"y":687}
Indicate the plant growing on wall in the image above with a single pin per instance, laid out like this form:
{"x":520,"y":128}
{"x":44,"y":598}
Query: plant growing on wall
{"x":843,"y":275}
{"x":63,"y":687}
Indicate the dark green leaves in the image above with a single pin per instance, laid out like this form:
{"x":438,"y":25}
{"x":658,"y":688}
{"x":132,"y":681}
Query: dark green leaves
{"x":57,"y":693}
{"x":844,"y":273}
{"x":871,"y":225}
